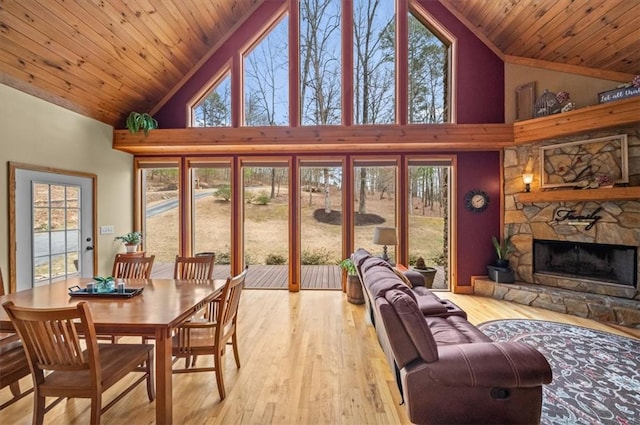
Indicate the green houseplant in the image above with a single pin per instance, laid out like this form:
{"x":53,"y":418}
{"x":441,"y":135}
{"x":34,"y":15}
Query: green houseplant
{"x":502,"y":248}
{"x":352,"y":282}
{"x":131,"y":240}
{"x":348,"y":265}
{"x":137,"y":121}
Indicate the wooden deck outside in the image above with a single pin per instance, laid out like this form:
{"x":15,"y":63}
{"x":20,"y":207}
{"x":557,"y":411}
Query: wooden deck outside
{"x":271,"y":277}
{"x":276,"y":277}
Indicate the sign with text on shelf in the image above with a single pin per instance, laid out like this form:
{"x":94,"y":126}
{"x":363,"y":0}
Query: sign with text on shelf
{"x":569,"y":215}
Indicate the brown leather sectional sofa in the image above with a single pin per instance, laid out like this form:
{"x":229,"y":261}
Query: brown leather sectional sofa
{"x":448,"y":371}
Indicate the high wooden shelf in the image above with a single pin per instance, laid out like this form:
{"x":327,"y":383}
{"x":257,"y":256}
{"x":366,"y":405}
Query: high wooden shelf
{"x":613,"y":114}
{"x":567,"y":195}
{"x":316,"y":139}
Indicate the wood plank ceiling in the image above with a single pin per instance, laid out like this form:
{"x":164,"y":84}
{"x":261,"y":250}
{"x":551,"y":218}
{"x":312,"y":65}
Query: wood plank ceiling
{"x":104,"y":58}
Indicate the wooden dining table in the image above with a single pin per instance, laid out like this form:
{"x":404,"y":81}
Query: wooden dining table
{"x":155,"y":312}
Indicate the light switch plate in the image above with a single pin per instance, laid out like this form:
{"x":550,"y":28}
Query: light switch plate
{"x":106,"y":230}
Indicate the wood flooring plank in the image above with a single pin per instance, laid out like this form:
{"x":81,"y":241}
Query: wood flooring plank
{"x":306,"y":358}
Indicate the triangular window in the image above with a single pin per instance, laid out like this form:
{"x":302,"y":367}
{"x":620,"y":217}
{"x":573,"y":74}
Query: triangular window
{"x":214,"y":109}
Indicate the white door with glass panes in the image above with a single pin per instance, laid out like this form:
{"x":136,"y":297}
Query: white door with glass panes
{"x":54,"y":227}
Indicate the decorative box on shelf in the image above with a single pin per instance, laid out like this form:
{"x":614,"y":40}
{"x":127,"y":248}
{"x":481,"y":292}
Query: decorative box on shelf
{"x":617,"y":94}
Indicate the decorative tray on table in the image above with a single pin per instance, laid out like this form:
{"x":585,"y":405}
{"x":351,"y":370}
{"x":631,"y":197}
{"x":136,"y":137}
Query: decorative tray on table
{"x":76,"y":291}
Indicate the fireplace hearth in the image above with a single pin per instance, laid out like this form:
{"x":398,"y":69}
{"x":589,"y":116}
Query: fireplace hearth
{"x":606,"y":263}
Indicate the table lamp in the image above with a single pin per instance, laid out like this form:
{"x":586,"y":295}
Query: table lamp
{"x":385,"y":236}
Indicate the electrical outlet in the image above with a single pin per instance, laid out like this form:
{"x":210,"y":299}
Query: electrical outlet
{"x":106,"y":230}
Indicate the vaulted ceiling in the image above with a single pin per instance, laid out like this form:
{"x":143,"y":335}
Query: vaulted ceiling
{"x":104,"y":58}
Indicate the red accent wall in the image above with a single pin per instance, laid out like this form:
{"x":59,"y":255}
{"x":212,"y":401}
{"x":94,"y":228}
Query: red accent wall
{"x":480,"y":73}
{"x":477,"y":170}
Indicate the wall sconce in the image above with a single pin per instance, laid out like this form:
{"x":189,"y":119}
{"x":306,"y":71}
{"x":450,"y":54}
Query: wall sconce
{"x":385,"y":236}
{"x":527,"y":178}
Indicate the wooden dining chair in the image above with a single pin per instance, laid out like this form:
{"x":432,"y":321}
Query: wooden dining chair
{"x":198,"y":338}
{"x":13,"y":362}
{"x":132,"y":266}
{"x":51,"y":339}
{"x":198,"y":267}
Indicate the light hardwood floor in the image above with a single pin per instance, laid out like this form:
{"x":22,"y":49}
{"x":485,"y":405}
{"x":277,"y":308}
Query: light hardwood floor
{"x":307,"y":358}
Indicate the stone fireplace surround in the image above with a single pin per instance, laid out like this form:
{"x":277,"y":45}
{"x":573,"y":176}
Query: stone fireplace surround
{"x":619,"y":225}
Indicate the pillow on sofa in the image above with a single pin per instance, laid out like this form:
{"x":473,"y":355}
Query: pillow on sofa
{"x":403,"y":277}
{"x":415,"y":278}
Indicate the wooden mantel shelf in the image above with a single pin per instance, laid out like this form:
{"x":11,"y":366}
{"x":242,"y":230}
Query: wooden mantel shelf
{"x":603,"y":194}
{"x":613,"y":114}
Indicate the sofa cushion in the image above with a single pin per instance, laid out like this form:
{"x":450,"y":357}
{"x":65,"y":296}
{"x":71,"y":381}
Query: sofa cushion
{"x":454,"y":330}
{"x":374,"y":262}
{"x":413,"y":322}
{"x":359,"y":256}
{"x":379,"y":280}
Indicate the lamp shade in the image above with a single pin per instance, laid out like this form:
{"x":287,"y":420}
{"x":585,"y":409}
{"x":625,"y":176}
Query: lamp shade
{"x":385,"y":236}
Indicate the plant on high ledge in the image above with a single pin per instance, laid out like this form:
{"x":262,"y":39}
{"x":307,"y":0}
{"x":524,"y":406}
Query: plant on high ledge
{"x":137,"y":121}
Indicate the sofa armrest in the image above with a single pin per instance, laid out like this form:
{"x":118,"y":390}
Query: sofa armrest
{"x":490,"y":364}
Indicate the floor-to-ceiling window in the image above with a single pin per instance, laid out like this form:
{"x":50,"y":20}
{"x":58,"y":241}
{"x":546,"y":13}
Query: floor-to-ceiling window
{"x":428,"y":211}
{"x":160,"y":189}
{"x":211,"y":209}
{"x":248,"y":212}
{"x":375,"y":203}
{"x":265,"y":190}
{"x":321,"y":223}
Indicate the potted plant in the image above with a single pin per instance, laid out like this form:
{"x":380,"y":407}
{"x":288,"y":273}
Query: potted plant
{"x":502,"y":250}
{"x":353,"y":286}
{"x":429,"y":273}
{"x":500,"y":271}
{"x":131,"y":240}
{"x":137,"y":121}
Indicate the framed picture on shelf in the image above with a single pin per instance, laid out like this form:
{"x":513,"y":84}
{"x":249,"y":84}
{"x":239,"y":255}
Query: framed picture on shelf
{"x":525,"y":100}
{"x":581,"y":163}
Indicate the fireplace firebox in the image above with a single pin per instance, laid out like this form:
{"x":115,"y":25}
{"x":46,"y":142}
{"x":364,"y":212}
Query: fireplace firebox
{"x":614,"y":264}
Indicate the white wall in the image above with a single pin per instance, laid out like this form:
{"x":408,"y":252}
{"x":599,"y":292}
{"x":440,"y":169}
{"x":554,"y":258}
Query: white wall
{"x":583,"y":90}
{"x":36,"y":132}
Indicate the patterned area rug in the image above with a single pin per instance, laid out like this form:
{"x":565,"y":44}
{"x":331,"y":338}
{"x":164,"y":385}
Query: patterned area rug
{"x":596,"y":375}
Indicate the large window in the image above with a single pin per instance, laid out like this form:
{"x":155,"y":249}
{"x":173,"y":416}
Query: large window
{"x":361,"y":86}
{"x":321,"y":223}
{"x":320,"y":62}
{"x":214,"y":109}
{"x":428,"y":216}
{"x":428,"y":57}
{"x":266,"y":77}
{"x":160,"y":183}
{"x":374,"y":202}
{"x":266,"y":220}
{"x":211,"y":209}
{"x":374,"y":61}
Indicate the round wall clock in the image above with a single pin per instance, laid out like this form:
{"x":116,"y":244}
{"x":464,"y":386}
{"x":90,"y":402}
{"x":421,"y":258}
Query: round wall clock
{"x":476,"y":200}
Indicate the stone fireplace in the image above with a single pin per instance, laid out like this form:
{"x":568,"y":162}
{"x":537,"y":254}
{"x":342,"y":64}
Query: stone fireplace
{"x":599,"y":263}
{"x":558,"y":240}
